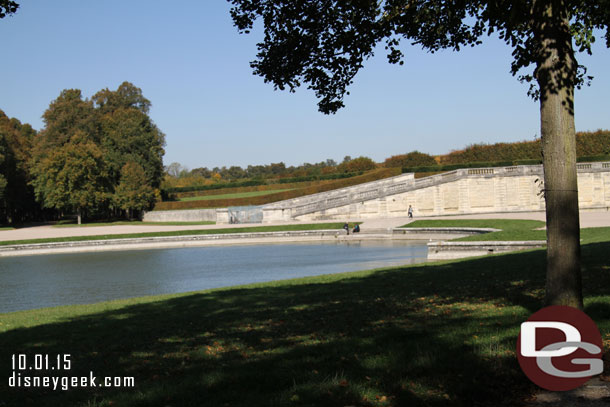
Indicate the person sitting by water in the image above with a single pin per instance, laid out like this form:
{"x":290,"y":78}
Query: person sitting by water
{"x":346,"y":227}
{"x":356,"y":228}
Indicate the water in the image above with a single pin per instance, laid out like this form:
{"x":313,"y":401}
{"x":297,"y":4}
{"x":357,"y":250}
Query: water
{"x":84,"y":278}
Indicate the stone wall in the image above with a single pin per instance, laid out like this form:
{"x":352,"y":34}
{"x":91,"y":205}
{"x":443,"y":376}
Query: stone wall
{"x":193,"y":215}
{"x":464,"y":191}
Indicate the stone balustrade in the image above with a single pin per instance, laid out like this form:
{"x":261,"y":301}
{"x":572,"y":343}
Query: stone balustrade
{"x":462,"y":191}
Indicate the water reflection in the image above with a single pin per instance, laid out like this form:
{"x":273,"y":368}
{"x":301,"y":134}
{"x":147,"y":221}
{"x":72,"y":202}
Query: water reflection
{"x":61,"y":279}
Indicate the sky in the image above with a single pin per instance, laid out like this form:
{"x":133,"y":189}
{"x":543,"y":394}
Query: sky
{"x":193,"y":65}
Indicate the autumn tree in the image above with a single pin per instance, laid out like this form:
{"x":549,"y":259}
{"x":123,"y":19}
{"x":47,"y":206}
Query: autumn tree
{"x":324,"y":45}
{"x":72,"y":178}
{"x":128,"y":133}
{"x":357,"y":164}
{"x":3,"y":180}
{"x":17,"y":203}
{"x":110,"y":130}
{"x":412,"y":159}
{"x":66,"y":115}
{"x":134,"y":192}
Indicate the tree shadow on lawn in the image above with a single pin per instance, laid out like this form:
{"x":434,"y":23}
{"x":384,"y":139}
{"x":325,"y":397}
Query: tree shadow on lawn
{"x":441,"y":334}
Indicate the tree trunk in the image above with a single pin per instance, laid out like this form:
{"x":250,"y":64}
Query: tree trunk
{"x":78,"y":216}
{"x":556,"y":75}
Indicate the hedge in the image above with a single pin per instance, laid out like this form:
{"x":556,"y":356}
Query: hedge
{"x":587,"y":144}
{"x":451,"y":167}
{"x":412,"y":159}
{"x":236,"y":184}
{"x":320,"y":177}
{"x":280,"y":196}
{"x":258,"y":182}
{"x":266,"y":187}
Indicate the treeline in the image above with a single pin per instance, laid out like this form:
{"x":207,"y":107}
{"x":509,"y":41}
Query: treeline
{"x":179,"y":178}
{"x":590,"y":145}
{"x":587,"y":144}
{"x":98,"y":157}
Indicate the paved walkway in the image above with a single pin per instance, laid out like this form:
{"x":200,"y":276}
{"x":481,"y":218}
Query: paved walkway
{"x":47,"y":231}
{"x":588,"y":219}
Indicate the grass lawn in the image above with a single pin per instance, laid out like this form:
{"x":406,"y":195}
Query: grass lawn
{"x":437,"y":334}
{"x":233,"y":195}
{"x":72,"y":223}
{"x":252,"y":229}
{"x":511,"y":229}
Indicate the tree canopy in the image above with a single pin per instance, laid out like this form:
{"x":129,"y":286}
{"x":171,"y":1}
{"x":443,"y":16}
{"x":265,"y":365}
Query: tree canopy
{"x":7,"y":7}
{"x":324,"y":43}
{"x":82,"y":158}
{"x":17,"y":200}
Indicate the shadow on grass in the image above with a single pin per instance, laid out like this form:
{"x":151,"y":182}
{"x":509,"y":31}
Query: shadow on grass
{"x":437,"y":335}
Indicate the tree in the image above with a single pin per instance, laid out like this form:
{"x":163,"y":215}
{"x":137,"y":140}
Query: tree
{"x":111,"y":129}
{"x":127,"y":133}
{"x":67,"y":166}
{"x":203,"y":172}
{"x":324,"y":45}
{"x":330,"y":162}
{"x":412,"y":159}
{"x":357,"y":164}
{"x":72,"y":177}
{"x":134,"y":191}
{"x":174,"y":169}
{"x":7,"y":7}
{"x":16,"y":139}
{"x":67,"y":114}
{"x":126,"y":96}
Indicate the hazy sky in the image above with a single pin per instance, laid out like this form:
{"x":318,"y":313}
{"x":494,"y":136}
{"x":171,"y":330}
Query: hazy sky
{"x":192,"y":64}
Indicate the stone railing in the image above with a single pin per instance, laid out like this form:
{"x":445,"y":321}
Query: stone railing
{"x":296,"y":207}
{"x":344,"y":196}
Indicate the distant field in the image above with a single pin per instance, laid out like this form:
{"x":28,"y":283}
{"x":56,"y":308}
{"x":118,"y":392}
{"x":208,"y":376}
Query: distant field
{"x":232,"y":195}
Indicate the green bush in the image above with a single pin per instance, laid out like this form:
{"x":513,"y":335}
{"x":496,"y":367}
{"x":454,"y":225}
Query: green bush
{"x":588,"y":144}
{"x":593,"y":158}
{"x":214,"y":186}
{"x":320,"y":177}
{"x":412,"y":159}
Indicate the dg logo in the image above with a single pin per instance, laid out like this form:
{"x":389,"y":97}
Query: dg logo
{"x":560,"y":348}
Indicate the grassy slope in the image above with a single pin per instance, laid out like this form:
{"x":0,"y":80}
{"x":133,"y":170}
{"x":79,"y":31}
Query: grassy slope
{"x":232,"y":195}
{"x":439,"y":334}
{"x":253,"y":229}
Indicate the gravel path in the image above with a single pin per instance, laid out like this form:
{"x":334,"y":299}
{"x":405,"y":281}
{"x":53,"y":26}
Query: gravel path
{"x":587,"y":219}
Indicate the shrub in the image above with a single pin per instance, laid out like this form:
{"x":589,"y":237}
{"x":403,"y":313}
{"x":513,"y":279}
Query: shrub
{"x":587,"y":144}
{"x":357,"y":164}
{"x":412,"y":159}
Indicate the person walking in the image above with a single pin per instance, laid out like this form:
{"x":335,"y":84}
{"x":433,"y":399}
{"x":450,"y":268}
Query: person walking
{"x":410,"y":212}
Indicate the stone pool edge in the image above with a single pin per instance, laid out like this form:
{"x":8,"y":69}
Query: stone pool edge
{"x":438,"y":249}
